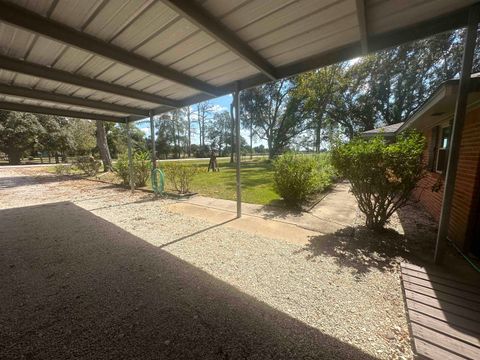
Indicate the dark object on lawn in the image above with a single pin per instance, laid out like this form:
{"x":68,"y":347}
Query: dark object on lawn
{"x":213,"y":163}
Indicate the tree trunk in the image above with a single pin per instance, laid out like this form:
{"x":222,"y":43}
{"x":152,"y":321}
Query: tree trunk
{"x":103,"y":146}
{"x":232,"y":131}
{"x":271,"y":152}
{"x":57,"y":160}
{"x":251,"y":140}
{"x":318,"y":133}
{"x":189,"y":145}
{"x":14,"y":157}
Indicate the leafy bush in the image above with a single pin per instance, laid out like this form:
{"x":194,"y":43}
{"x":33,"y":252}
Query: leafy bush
{"x":297,"y":176}
{"x":141,"y":169}
{"x":382,"y":176}
{"x":63,"y":169}
{"x":88,"y":165}
{"x":181,"y":175}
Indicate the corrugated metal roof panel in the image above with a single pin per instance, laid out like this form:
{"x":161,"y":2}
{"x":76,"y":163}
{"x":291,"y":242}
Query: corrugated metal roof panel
{"x":384,"y":16}
{"x":319,"y":36}
{"x":176,"y":32}
{"x":145,"y":26}
{"x":71,"y":59}
{"x":39,"y":6}
{"x":44,"y":51}
{"x":15,"y":41}
{"x":111,"y":17}
{"x":284,"y":32}
{"x":75,"y":13}
{"x":94,"y":66}
{"x":324,"y":44}
{"x":307,"y":25}
{"x":185,"y":49}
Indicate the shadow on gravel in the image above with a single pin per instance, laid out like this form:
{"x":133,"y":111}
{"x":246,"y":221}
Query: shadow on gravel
{"x":361,"y":249}
{"x":17,"y":181}
{"x":77,"y":286}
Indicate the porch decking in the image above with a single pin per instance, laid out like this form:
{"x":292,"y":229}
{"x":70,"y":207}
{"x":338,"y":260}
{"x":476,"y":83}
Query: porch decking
{"x":443,"y":312}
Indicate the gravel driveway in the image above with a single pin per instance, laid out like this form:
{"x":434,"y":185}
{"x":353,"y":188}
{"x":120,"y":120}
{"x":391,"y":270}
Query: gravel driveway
{"x":91,"y":271}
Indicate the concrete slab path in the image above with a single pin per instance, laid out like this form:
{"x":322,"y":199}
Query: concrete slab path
{"x":337,"y":210}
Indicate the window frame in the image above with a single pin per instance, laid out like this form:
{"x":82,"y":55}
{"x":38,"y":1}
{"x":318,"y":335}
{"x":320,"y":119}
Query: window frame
{"x":439,"y":145}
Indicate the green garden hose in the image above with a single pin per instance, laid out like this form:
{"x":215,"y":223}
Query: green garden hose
{"x":158,"y":181}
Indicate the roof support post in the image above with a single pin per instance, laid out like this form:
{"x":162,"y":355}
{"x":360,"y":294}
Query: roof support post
{"x":362,"y":25}
{"x":236,"y":104}
{"x":152,"y":136}
{"x":456,"y":132}
{"x":130,"y":161}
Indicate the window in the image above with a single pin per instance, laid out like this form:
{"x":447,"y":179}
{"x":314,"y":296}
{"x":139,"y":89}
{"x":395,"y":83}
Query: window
{"x":442,"y":152}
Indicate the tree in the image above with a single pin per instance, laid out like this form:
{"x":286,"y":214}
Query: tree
{"x":273,"y":115}
{"x":204,"y":112}
{"x":83,"y":136}
{"x":18,"y":133}
{"x":314,"y":92}
{"x":188,"y":112}
{"x":56,"y":136}
{"x":219,"y":131}
{"x":102,"y":145}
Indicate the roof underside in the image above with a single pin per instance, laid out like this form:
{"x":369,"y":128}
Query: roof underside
{"x":115,"y":59}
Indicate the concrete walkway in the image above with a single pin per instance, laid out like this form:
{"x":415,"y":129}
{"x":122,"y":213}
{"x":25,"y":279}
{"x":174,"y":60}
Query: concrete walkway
{"x":335,"y":211}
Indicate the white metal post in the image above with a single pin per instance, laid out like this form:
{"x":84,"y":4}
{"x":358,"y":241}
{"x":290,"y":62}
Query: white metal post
{"x":456,"y":132}
{"x":236,"y":102}
{"x":152,"y":136}
{"x":130,"y":164}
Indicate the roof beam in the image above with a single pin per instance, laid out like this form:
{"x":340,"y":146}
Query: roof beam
{"x":362,"y":25}
{"x":44,"y":72}
{"x":197,"y":15}
{"x":12,"y":106}
{"x":70,"y":100}
{"x":21,"y":17}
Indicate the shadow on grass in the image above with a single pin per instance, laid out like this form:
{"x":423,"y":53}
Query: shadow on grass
{"x":77,"y":286}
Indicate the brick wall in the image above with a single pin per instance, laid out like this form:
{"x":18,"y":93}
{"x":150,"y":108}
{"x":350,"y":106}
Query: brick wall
{"x":467,"y":187}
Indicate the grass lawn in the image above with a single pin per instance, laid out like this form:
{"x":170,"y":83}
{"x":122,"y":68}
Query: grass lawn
{"x":256,"y":176}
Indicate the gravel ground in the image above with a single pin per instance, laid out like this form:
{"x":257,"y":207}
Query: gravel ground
{"x":91,"y":271}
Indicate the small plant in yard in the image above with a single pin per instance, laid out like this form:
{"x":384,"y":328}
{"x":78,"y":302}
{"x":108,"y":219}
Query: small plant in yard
{"x":181,"y":175}
{"x":382,"y":175}
{"x":88,"y":165}
{"x":63,"y":169}
{"x":141,"y":169}
{"x":297,"y":176}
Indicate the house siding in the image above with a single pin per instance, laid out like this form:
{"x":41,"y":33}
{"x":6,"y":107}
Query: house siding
{"x":466,"y":194}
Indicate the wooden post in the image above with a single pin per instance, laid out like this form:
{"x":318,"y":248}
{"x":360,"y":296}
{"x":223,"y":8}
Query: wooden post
{"x":130,"y":164}
{"x":152,"y":136}
{"x":236,"y":102}
{"x":456,"y":132}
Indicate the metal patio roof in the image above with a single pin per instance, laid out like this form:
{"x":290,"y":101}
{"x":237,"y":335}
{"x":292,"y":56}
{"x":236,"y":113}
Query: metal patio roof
{"x":118,"y":59}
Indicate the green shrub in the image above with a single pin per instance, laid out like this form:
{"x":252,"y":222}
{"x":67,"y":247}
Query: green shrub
{"x":63,"y":169}
{"x":141,"y":169}
{"x":297,"y":176}
{"x":88,"y":165}
{"x":181,"y":175}
{"x":382,"y":175}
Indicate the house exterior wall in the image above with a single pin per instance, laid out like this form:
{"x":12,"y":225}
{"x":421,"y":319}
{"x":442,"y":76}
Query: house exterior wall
{"x":467,"y":187}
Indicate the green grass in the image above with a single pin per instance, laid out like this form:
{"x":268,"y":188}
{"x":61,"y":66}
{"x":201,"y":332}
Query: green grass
{"x":256,"y":177}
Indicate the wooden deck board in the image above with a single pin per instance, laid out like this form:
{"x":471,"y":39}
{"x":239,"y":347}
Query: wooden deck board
{"x":444,"y":314}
